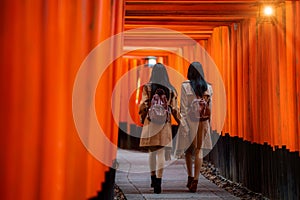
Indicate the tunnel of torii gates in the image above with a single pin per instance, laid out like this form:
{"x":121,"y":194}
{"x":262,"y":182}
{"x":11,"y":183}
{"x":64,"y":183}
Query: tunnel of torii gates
{"x":57,"y":92}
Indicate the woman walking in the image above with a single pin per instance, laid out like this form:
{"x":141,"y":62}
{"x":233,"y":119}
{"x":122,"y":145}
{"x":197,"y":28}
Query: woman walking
{"x":159,"y":101}
{"x":194,"y":132}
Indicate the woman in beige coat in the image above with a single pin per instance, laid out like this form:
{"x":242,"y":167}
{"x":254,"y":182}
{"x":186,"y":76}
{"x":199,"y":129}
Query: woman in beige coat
{"x":193,"y":136}
{"x":157,"y":137}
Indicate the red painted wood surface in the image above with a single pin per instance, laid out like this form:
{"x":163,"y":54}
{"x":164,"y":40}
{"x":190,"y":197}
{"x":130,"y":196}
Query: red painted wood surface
{"x":43,"y":45}
{"x":263,"y":87}
{"x":260,"y":70}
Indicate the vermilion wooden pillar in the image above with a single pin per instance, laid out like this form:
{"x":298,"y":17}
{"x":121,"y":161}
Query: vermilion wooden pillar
{"x":43,"y":46}
{"x":261,"y":80}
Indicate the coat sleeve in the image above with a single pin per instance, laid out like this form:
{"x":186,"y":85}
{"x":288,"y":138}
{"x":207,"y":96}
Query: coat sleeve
{"x":144,"y":104}
{"x":182,"y":139}
{"x":184,"y":108}
{"x":210,"y":93}
{"x":174,"y":108}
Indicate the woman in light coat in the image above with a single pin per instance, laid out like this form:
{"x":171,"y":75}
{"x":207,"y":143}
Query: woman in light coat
{"x":157,"y":138}
{"x":193,"y":136}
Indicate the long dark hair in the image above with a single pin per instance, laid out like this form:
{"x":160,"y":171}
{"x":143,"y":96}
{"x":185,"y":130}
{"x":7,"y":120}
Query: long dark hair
{"x":160,"y":79}
{"x":197,"y":79}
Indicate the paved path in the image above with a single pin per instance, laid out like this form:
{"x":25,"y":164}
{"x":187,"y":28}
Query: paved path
{"x":133,"y":178}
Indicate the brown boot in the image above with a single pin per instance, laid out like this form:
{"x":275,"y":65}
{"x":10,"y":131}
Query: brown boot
{"x":190,"y":179}
{"x":193,"y":187}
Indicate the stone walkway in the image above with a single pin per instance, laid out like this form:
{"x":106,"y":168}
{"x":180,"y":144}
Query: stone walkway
{"x":133,"y":178}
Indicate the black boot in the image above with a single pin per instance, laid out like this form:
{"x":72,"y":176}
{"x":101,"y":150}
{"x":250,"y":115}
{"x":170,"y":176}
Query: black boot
{"x":157,"y":186}
{"x":153,"y":180}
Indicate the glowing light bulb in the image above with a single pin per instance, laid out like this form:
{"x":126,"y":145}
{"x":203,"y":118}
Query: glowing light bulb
{"x":268,"y":10}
